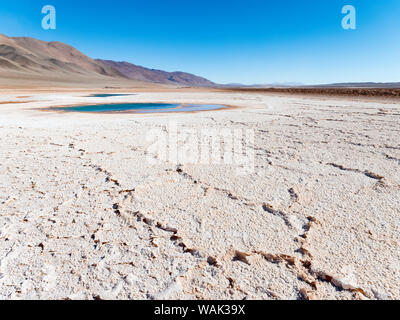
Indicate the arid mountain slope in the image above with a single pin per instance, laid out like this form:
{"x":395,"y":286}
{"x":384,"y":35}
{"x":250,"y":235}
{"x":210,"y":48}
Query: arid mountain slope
{"x":136,"y":72}
{"x":27,"y":58}
{"x":32,"y":56}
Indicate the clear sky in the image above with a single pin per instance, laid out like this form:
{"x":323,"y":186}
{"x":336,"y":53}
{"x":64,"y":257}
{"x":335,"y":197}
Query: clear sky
{"x":227,"y":41}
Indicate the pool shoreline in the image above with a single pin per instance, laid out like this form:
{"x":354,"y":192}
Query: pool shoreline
{"x":62,"y":108}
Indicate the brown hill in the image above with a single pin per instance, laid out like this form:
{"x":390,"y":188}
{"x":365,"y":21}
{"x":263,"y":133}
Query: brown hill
{"x":26,"y":59}
{"x":140,"y":73}
{"x":32,"y":56}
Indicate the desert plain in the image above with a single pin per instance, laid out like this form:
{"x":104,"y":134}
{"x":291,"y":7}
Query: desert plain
{"x":85,"y":215}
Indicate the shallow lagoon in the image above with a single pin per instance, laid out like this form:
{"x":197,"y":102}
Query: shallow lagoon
{"x":140,"y":108}
{"x":106,"y":95}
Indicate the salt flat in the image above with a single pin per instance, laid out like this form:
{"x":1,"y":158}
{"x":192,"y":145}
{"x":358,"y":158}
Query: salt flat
{"x":85,"y":215}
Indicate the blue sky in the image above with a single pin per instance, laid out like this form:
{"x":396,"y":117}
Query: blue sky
{"x":247,"y":41}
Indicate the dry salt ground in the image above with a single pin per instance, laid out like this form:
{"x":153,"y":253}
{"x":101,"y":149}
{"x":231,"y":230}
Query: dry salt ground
{"x":84,"y":214}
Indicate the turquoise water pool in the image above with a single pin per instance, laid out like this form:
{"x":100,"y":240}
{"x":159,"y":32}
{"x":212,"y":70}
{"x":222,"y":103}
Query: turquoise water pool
{"x":106,"y":95}
{"x":140,"y":108}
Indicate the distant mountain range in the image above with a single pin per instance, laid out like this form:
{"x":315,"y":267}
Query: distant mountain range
{"x":268,"y":85}
{"x":135,"y":72}
{"x":28,"y":58}
{"x":36,"y":62}
{"x":386,"y":85}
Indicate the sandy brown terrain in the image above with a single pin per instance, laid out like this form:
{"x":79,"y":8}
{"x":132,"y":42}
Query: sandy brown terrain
{"x":85,"y":214}
{"x":387,"y":93}
{"x":27,"y":61}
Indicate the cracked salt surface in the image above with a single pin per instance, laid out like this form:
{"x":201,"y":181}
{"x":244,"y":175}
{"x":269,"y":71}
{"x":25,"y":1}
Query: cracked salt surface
{"x":83,"y":216}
